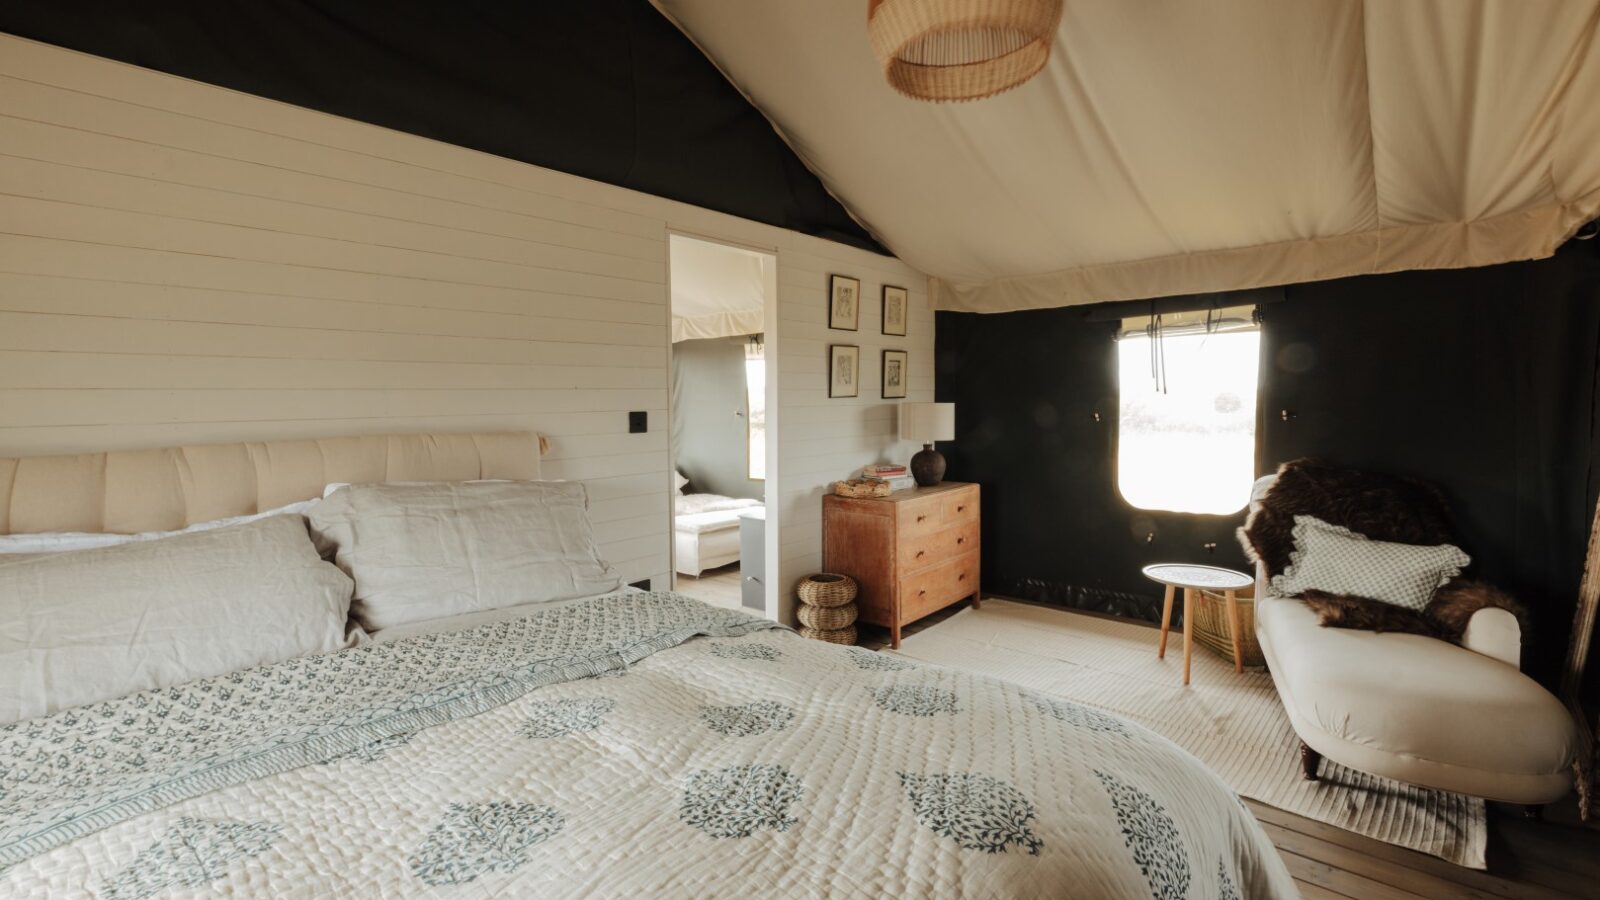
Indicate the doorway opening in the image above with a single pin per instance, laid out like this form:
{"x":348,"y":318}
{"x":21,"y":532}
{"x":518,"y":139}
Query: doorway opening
{"x":722,"y":442}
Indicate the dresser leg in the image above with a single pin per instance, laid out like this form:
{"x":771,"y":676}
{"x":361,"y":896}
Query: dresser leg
{"x":977,"y":600}
{"x":894,"y":636}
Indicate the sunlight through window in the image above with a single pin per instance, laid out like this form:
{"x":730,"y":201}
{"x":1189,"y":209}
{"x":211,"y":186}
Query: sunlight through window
{"x":755,"y":387}
{"x":1186,"y":440}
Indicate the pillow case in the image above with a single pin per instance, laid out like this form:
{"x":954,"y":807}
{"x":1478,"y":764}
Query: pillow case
{"x":1336,"y":560}
{"x":98,"y":624}
{"x":429,"y":550}
{"x":62,"y":541}
{"x":679,"y":480}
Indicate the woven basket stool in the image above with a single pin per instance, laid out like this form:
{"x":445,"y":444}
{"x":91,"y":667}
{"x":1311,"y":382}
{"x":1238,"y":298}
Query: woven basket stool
{"x":827,"y":609}
{"x":827,"y":618}
{"x":827,"y":590}
{"x":833,"y":636}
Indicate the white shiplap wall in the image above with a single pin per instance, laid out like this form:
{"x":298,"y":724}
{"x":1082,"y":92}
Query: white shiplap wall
{"x":182,"y":263}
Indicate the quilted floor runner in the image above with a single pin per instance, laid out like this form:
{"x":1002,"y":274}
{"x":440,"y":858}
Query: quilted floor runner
{"x":1234,"y":723}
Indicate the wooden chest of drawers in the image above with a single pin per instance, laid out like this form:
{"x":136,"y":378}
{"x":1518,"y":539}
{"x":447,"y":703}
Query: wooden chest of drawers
{"x":913,"y":552}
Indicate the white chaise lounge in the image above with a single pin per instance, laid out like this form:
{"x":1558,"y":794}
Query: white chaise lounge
{"x":1414,"y":708}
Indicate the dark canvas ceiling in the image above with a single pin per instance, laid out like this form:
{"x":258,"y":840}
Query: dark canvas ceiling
{"x":605,"y":89}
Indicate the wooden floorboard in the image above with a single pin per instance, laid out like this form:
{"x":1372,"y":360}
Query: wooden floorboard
{"x":718,"y":587}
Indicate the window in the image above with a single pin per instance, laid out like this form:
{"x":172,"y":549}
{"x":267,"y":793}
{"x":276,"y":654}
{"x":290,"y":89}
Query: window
{"x":755,"y":395}
{"x":1186,"y":438}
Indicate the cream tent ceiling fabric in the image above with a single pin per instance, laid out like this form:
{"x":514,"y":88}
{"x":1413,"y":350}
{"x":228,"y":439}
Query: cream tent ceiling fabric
{"x":718,"y":290}
{"x":1181,"y":147}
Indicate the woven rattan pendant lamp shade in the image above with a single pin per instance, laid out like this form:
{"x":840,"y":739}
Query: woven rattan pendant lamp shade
{"x":961,"y":49}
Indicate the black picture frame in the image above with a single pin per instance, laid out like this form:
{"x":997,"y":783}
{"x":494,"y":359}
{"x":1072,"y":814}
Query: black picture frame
{"x":844,"y":303}
{"x":840,"y":379}
{"x":896,"y":309}
{"x":896,"y":369}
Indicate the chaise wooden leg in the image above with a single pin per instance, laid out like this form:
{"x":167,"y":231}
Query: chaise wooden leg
{"x":1309,"y":760}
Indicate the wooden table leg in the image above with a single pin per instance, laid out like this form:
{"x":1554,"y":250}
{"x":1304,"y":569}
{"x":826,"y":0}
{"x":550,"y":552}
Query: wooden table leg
{"x":1233,"y":629}
{"x":1166,"y":622}
{"x":1188,"y":630}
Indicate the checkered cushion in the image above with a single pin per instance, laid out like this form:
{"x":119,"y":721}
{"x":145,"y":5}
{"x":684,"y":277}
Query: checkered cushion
{"x":1339,"y":561}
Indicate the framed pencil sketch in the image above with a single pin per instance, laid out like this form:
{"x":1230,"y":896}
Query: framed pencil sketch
{"x":844,"y":370}
{"x":895,"y":303}
{"x":894,"y":374}
{"x":844,"y":303}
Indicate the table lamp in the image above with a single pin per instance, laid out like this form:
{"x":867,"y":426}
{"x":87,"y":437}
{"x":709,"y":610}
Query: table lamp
{"x":926,"y":423}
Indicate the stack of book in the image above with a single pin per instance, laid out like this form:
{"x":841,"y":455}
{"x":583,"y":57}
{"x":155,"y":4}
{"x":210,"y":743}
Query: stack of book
{"x":896,"y":475}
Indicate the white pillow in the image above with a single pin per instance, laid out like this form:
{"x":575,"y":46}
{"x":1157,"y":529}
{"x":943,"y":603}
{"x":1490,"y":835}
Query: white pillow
{"x":1339,"y":561}
{"x":679,"y":480}
{"x":62,"y":541}
{"x":97,"y":624}
{"x":430,"y":550}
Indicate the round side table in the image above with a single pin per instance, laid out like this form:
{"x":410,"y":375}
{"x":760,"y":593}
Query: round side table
{"x":1193,"y":579}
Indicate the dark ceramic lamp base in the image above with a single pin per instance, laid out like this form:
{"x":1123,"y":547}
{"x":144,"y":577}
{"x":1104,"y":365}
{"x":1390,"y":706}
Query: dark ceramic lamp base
{"x":927,"y":467}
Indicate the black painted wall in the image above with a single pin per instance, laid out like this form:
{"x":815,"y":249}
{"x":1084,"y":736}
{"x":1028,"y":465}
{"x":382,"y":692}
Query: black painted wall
{"x":1480,"y":380}
{"x":605,"y":89}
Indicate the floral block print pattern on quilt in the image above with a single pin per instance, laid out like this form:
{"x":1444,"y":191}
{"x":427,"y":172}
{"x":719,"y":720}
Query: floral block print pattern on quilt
{"x":734,"y":759}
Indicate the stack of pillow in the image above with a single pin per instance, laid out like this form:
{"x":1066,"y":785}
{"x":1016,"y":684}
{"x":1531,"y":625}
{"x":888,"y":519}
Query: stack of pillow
{"x":89,"y":617}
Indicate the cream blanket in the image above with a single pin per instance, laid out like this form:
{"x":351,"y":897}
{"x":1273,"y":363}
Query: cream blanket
{"x":634,"y":745}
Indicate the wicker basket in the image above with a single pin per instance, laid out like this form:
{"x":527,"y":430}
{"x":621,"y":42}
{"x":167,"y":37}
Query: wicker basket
{"x":1211,"y":627}
{"x":831,"y":635}
{"x":826,"y":618}
{"x":827,"y":590}
{"x":861,"y":488}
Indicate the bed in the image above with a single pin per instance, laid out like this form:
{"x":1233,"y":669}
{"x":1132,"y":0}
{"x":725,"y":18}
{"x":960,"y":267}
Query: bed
{"x":627,"y":743}
{"x":705,"y":530}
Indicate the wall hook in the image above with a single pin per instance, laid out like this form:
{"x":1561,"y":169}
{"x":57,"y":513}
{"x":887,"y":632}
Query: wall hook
{"x":1286,"y":415}
{"x":1097,"y":416}
{"x":1150,"y":537}
{"x":1210,"y":546}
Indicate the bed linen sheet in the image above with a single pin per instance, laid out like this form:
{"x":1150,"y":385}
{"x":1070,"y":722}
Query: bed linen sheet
{"x":633,"y":745}
{"x":693,"y":504}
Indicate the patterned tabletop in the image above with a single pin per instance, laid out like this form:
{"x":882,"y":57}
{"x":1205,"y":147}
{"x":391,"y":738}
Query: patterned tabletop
{"x":1188,"y":575}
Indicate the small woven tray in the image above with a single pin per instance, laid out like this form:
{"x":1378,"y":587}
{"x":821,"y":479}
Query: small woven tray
{"x":827,"y":618}
{"x":832,"y":636}
{"x":861,"y":488}
{"x":825,"y":589}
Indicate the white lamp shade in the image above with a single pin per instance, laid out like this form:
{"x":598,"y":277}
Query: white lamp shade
{"x":927,"y":422}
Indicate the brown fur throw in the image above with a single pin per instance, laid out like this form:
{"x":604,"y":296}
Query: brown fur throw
{"x":1445,"y":617}
{"x":1343,"y":611}
{"x":1381,"y":507}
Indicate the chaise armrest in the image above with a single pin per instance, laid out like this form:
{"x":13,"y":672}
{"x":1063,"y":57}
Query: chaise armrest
{"x":1494,"y":633}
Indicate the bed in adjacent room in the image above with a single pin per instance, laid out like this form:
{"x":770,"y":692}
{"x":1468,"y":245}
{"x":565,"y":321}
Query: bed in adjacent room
{"x":453,"y":696}
{"x":706,"y":530}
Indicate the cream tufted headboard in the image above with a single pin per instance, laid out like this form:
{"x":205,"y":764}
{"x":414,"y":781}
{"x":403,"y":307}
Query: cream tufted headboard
{"x":130,"y":491}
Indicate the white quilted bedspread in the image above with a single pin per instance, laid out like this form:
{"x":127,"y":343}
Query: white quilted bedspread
{"x":741,"y":763}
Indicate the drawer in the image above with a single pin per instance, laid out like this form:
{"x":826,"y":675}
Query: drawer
{"x":960,"y":506}
{"x":935,"y":588}
{"x":941,"y":546}
{"x":920,"y":518}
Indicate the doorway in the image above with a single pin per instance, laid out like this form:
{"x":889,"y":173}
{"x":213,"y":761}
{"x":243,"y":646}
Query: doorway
{"x":722,"y":443}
